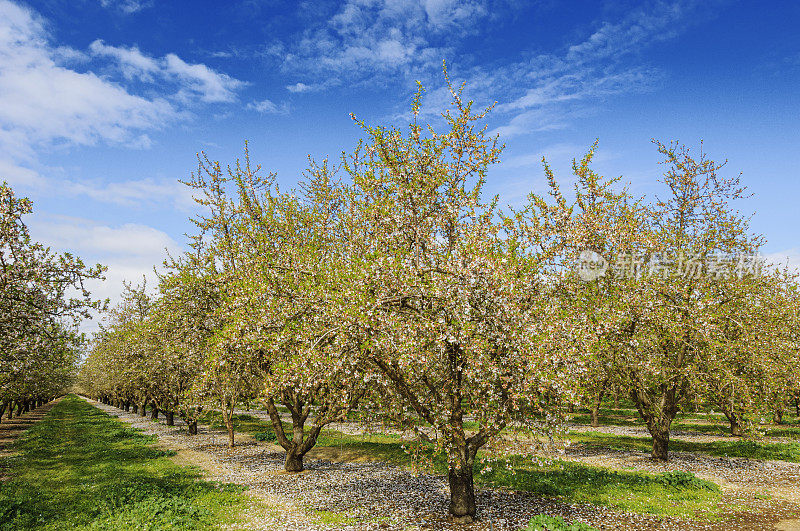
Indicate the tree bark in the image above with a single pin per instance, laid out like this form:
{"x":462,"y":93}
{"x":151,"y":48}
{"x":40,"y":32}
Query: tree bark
{"x":135,"y":408}
{"x":660,"y":444}
{"x":170,"y":418}
{"x":462,"y":494}
{"x":294,"y":461}
{"x":658,"y":413}
{"x":736,"y":426}
{"x":596,"y":405}
{"x":154,"y":413}
{"x":227,"y":417}
{"x":777,"y":415}
{"x":192,"y":427}
{"x":143,"y":409}
{"x":735,"y":421}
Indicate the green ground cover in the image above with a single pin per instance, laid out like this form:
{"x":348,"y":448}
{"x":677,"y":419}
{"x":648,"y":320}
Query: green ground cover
{"x":79,"y":468}
{"x":751,"y":449}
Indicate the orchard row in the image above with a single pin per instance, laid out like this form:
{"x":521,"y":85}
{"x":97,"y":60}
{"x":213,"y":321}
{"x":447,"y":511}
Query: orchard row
{"x":389,"y":287}
{"x":42,"y":300}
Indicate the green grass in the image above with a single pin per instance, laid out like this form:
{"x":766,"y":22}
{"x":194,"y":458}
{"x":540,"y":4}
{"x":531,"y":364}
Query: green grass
{"x":543,"y":522}
{"x":734,"y":448}
{"x":79,"y":468}
{"x":670,"y":494}
{"x":241,"y":423}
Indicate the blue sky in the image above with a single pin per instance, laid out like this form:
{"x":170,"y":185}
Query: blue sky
{"x":104,"y":103}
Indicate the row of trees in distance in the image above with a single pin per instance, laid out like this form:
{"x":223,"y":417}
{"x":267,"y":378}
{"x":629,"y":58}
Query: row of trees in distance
{"x":42,"y":301}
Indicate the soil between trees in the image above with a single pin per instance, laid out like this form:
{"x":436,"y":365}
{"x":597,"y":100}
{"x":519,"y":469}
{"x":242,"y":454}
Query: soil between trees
{"x":339,"y":492}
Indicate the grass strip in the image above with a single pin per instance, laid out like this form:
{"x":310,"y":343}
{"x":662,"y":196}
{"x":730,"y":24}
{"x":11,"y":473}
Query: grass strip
{"x":79,"y":468}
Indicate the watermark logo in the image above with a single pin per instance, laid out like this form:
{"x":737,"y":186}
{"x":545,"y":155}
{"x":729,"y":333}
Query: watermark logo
{"x":592,"y":265}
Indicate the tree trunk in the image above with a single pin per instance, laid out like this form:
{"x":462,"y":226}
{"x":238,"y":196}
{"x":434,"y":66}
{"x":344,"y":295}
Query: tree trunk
{"x":20,"y":406}
{"x":777,"y":415}
{"x":154,"y":413}
{"x":596,"y":405}
{"x":660,"y":444}
{"x":192,"y":427}
{"x":735,"y":421}
{"x":227,"y":417}
{"x":3,"y":410}
{"x":294,"y":462}
{"x":658,"y":415}
{"x":170,"y":418}
{"x":462,"y":494}
{"x":135,"y":408}
{"x":736,"y":426}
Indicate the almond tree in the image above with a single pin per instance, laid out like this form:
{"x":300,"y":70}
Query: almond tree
{"x":599,"y":219}
{"x":445,"y":297}
{"x":280,"y":306}
{"x":42,"y":301}
{"x":680,"y":311}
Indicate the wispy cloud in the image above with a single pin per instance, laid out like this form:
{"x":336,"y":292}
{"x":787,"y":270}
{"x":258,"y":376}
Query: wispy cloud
{"x":542,"y":92}
{"x":136,"y":192}
{"x":127,"y":6}
{"x":130,"y":250}
{"x":268,"y":107}
{"x":301,"y":87}
{"x":368,"y":37}
{"x":192,"y":79}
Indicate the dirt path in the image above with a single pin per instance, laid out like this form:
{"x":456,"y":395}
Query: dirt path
{"x":12,"y":429}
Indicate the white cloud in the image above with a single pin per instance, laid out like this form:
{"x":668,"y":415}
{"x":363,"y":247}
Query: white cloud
{"x":130,"y":251}
{"x":551,"y":87}
{"x":133,"y":63}
{"x":45,"y":103}
{"x":300,"y":87}
{"x":42,"y":102}
{"x":193,"y":79}
{"x":126,"y":6}
{"x":367,"y":38}
{"x":20,"y":176}
{"x":268,"y":107}
{"x":210,"y":85}
{"x":134,"y":192}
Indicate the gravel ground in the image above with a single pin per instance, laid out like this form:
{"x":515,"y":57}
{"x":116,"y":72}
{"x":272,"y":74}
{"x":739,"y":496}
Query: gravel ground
{"x":367,"y":496}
